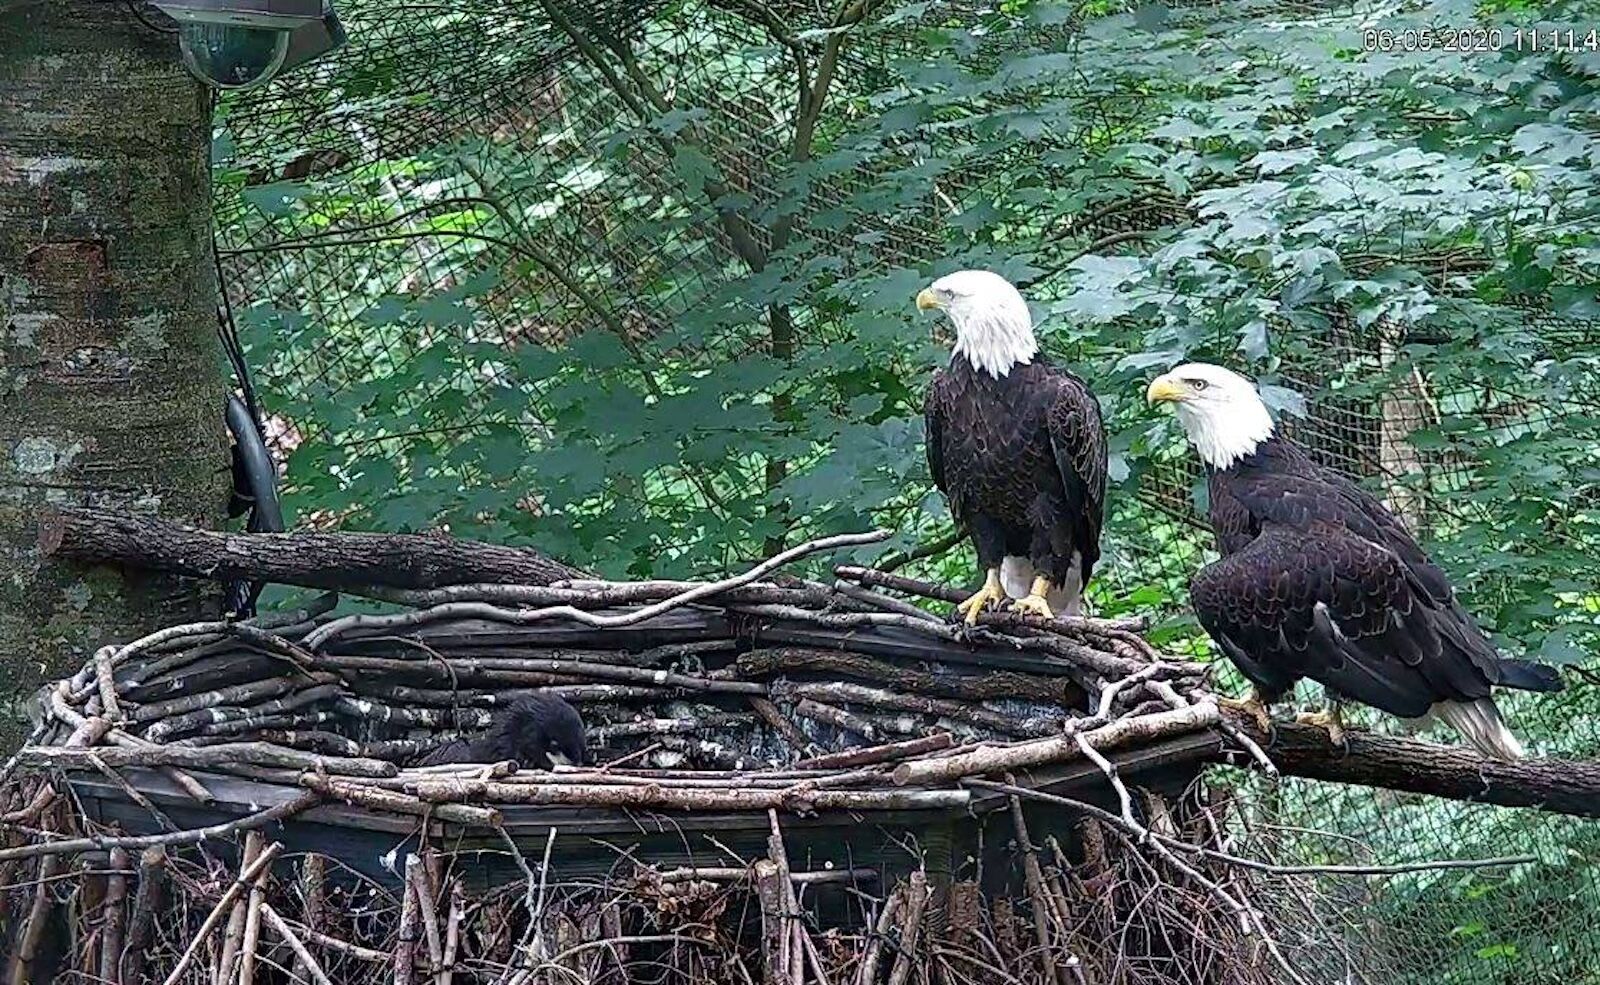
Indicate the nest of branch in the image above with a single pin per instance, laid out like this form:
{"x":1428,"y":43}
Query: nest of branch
{"x":794,"y":781}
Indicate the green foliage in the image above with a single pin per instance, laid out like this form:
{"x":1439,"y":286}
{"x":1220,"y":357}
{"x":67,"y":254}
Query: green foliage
{"x":661,"y":333}
{"x":652,"y":310}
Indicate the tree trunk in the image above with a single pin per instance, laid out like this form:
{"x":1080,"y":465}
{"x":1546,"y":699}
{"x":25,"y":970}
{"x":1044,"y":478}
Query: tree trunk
{"x":111,"y":385}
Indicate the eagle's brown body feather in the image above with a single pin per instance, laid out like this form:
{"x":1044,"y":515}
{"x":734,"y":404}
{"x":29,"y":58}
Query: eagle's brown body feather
{"x":1022,"y":462}
{"x":1318,"y":580}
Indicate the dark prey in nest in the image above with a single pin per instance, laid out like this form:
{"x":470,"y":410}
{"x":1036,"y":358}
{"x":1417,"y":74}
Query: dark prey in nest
{"x":537,"y":731}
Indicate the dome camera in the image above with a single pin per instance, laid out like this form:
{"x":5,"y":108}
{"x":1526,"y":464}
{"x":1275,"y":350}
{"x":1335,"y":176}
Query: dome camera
{"x":232,"y":57}
{"x":241,"y":44}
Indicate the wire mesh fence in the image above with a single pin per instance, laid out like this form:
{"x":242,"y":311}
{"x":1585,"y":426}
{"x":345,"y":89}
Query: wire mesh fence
{"x":446,"y":241}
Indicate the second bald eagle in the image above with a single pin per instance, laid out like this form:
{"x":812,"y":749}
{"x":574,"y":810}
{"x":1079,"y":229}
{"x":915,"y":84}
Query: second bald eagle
{"x":1018,"y":448}
{"x":1319,"y":580}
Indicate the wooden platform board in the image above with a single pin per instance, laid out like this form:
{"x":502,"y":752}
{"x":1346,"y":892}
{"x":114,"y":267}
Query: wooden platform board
{"x":592,"y":842}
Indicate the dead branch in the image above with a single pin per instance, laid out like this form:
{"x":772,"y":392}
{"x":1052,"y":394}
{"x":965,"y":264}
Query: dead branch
{"x":888,"y":916}
{"x":770,"y":713}
{"x":731,"y":874}
{"x":313,"y":886}
{"x":775,"y":938}
{"x":146,"y":901}
{"x":406,"y":945}
{"x":254,"y":753}
{"x":252,"y":914}
{"x":236,"y":888}
{"x":1415,"y":766}
{"x":976,"y":687}
{"x":522,"y":617}
{"x":193,"y":836}
{"x":887,"y":753}
{"x":288,"y":936}
{"x":33,"y":925}
{"x":356,"y":951}
{"x":427,"y":913}
{"x":1034,"y":879}
{"x":399,"y":803}
{"x":311,"y":560}
{"x":1000,"y":759}
{"x":916,"y":903}
{"x":800,"y":797}
{"x":872,"y":578}
{"x":452,"y":935}
{"x":233,"y":936}
{"x":115,"y":921}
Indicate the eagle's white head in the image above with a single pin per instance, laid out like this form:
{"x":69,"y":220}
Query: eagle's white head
{"x":993,"y":328}
{"x":1221,"y":411}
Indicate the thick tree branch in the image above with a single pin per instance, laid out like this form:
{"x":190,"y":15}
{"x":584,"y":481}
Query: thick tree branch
{"x":1414,"y":766}
{"x":304,"y":559}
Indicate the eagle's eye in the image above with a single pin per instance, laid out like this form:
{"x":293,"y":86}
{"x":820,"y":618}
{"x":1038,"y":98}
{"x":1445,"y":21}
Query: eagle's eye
{"x":1198,"y":385}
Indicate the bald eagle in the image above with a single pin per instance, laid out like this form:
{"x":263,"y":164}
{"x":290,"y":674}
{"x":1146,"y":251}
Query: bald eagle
{"x":1018,"y":448}
{"x":1318,"y":580}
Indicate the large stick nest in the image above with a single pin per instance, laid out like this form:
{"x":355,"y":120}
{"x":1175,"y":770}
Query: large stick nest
{"x":764,"y":703}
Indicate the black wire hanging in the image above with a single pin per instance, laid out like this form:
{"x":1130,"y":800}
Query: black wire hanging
{"x":255,"y":477}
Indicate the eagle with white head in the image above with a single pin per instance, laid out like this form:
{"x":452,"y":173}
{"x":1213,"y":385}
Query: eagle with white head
{"x":1018,"y":448}
{"x":1318,"y":580}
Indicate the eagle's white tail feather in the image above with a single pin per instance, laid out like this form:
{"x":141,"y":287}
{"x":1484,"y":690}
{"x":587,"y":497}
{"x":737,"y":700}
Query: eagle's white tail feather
{"x":1016,"y":577}
{"x":1480,"y":724}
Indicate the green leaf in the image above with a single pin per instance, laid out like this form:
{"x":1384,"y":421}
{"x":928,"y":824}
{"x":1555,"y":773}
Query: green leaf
{"x":1497,"y":951}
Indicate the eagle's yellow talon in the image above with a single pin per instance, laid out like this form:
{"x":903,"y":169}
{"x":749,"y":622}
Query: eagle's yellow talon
{"x":990,"y":592}
{"x":1328,"y":719}
{"x":1254,"y":706}
{"x":1033,"y":605}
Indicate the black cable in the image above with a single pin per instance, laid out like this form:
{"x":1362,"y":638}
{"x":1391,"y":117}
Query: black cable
{"x":133,"y":8}
{"x":228,"y":332}
{"x":255,"y":475}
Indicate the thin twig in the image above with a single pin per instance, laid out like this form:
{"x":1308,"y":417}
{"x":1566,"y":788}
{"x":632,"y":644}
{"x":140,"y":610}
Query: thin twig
{"x":302,"y":954}
{"x":318,"y":639}
{"x":193,"y":836}
{"x":233,"y":892}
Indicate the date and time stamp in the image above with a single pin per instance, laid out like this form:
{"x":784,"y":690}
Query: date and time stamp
{"x":1485,"y":40}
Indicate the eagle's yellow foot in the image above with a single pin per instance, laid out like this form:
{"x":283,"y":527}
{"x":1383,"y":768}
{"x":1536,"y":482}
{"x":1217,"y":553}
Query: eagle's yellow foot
{"x":1033,"y":604}
{"x":990,"y":592}
{"x":1255,"y":706}
{"x":1328,"y":719}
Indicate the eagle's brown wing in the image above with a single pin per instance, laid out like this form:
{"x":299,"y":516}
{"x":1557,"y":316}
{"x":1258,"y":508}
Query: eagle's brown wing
{"x":1078,"y":444}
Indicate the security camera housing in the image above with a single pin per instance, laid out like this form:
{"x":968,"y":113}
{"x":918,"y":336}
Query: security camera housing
{"x":282,"y":15}
{"x":312,"y":26}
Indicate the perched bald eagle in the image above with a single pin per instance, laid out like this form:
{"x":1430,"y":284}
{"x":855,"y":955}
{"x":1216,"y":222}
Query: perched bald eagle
{"x":1318,"y":580}
{"x":1018,"y":448}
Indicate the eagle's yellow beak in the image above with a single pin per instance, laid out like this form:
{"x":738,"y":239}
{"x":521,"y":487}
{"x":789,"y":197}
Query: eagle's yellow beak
{"x":926,"y":300}
{"x":1164,"y":389}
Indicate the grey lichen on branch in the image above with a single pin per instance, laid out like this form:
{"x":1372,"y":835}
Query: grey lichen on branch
{"x":1016,"y":756}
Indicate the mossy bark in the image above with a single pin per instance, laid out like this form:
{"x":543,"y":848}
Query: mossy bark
{"x":111,"y":381}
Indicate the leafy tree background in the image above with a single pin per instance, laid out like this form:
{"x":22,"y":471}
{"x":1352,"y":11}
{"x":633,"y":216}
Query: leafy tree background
{"x":634,"y":284}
